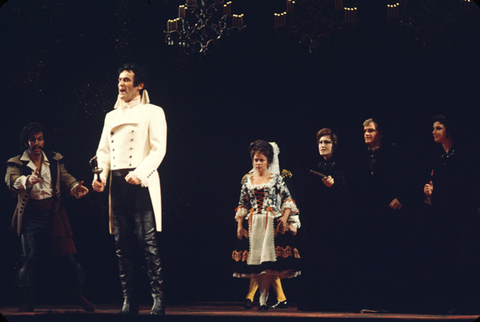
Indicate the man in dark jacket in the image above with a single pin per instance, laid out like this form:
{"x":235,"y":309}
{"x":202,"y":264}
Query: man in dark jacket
{"x":379,"y":197}
{"x":40,"y":220}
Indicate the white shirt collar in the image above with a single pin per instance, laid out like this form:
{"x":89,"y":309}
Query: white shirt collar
{"x":26,"y":157}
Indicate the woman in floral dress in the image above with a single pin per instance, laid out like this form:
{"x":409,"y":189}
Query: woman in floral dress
{"x":266,"y":223}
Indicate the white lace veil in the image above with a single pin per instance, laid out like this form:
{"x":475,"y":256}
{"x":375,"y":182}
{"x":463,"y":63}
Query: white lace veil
{"x":274,"y":167}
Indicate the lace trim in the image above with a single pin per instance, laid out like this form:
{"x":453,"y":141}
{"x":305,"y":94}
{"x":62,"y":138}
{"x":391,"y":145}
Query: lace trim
{"x":285,"y":252}
{"x":290,"y":203}
{"x":143,"y":180}
{"x":282,"y":252}
{"x":240,"y":255}
{"x":240,"y":212}
{"x":268,"y":184}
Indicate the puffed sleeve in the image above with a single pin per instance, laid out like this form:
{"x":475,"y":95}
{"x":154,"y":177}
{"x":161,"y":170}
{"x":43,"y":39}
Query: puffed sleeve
{"x":244,"y":203}
{"x":285,"y":196}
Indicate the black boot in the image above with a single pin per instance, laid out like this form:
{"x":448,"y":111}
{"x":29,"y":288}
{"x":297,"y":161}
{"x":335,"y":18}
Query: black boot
{"x":125,"y":255}
{"x":156,"y":283}
{"x":129,"y":307}
{"x":29,"y":303}
{"x":158,"y":307}
{"x":154,"y":268}
{"x":130,"y":304}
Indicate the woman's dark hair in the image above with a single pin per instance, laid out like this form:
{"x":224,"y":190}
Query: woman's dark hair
{"x":330,"y":133}
{"x":28,"y":131}
{"x":263,"y":147}
{"x":450,"y":127}
{"x":141,"y":75}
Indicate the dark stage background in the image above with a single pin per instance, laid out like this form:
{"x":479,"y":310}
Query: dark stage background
{"x":58,"y":63}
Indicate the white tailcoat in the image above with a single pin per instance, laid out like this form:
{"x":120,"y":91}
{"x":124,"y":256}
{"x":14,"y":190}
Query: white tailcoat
{"x":135,"y":137}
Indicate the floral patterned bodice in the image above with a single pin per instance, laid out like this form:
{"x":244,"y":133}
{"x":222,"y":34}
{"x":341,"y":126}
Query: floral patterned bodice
{"x":272,"y":196}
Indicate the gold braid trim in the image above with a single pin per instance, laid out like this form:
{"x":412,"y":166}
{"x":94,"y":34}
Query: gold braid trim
{"x":286,"y":252}
{"x":240,"y":256}
{"x":243,"y":178}
{"x":286,"y":173}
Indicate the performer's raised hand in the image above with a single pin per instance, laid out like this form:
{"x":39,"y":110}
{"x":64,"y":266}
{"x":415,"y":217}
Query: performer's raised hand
{"x":428,"y":188}
{"x":34,"y":178}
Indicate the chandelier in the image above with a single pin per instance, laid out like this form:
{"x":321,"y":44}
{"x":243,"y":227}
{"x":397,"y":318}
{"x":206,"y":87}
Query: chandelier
{"x":427,"y":19}
{"x":310,"y":22}
{"x":200,"y":23}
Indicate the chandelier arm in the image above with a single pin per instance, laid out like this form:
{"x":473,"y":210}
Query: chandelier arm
{"x":200,"y":25}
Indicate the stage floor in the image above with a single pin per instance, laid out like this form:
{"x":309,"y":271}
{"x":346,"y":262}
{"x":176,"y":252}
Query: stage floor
{"x":212,"y":311}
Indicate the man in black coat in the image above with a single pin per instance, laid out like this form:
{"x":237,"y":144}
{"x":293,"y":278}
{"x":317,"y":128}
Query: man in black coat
{"x":36,"y":178}
{"x":379,"y":195}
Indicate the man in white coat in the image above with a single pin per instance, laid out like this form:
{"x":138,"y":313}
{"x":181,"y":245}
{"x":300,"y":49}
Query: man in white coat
{"x":131,"y":148}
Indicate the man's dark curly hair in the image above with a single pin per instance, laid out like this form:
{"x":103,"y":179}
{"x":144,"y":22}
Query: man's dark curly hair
{"x":141,"y":75}
{"x":27,"y":132}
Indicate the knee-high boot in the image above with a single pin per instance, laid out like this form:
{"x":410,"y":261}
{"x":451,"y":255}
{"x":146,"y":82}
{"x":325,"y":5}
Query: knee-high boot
{"x":154,"y":267}
{"x":125,"y":267}
{"x":124,"y":244}
{"x":125,"y":272}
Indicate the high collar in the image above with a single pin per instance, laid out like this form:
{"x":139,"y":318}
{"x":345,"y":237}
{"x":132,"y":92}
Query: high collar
{"x":140,"y":99}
